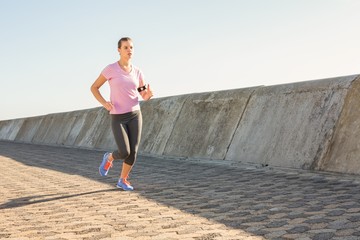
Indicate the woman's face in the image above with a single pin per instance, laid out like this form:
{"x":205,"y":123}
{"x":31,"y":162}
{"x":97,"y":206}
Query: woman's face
{"x":126,"y":49}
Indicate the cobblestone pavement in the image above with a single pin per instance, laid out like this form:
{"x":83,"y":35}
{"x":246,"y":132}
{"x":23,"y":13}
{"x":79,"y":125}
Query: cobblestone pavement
{"x":57,"y":193}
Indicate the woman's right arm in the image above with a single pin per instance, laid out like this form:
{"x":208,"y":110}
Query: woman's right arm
{"x":95,"y":91}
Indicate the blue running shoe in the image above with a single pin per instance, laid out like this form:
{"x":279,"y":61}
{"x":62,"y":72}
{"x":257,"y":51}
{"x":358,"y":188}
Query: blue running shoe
{"x":105,"y":165}
{"x":124,"y":184}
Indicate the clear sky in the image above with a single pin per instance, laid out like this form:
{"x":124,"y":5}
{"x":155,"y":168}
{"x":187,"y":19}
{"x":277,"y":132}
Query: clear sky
{"x":51,"y":51}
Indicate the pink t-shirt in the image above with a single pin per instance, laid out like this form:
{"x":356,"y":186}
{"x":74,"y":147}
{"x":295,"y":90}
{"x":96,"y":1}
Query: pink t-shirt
{"x":123,"y":87}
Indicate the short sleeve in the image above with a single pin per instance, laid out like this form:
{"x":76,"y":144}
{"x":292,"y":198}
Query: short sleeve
{"x":106,"y":72}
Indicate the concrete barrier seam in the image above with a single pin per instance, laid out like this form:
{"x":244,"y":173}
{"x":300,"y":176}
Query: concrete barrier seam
{"x":174,"y":123}
{"x":240,"y":119}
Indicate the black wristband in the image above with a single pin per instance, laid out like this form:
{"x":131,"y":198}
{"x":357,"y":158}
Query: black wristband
{"x":140,"y":89}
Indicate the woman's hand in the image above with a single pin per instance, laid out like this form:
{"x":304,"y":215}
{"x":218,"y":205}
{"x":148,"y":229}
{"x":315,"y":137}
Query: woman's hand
{"x":95,"y":91}
{"x":147,"y":93}
{"x":108,"y":106}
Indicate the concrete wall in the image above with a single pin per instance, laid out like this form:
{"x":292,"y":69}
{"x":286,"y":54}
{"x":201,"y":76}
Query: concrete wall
{"x":308,"y":125}
{"x":289,"y":125}
{"x":198,"y":125}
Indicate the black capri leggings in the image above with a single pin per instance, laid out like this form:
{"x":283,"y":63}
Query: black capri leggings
{"x":127,"y":132}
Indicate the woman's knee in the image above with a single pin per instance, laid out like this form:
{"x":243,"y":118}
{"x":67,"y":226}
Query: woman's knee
{"x":124,"y":154}
{"x":121,"y":154}
{"x":130,"y":160}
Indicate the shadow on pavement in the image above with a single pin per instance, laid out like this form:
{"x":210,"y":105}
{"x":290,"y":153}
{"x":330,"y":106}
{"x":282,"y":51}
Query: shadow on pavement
{"x":24,"y":201}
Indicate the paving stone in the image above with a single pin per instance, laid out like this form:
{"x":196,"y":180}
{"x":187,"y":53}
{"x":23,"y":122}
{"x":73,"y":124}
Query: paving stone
{"x":276,"y":224}
{"x":323,"y":236}
{"x":335,"y":213}
{"x":345,"y":238}
{"x":339,"y":224}
{"x":298,"y":229}
{"x":355,"y":218}
{"x":317,"y":220}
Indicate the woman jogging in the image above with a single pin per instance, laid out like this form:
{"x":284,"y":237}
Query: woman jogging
{"x":125,"y":81}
